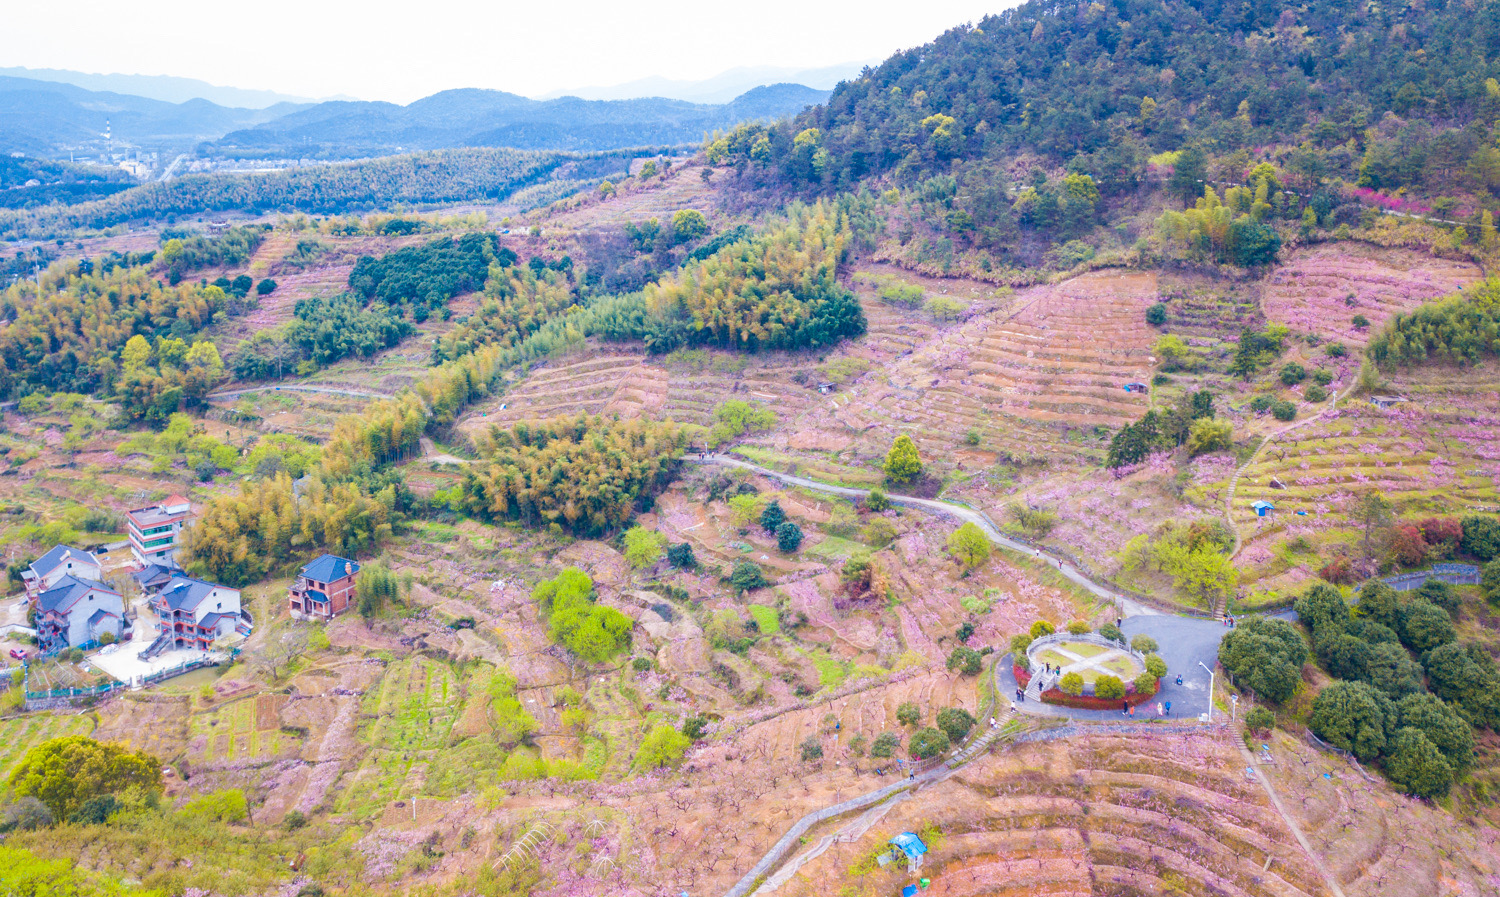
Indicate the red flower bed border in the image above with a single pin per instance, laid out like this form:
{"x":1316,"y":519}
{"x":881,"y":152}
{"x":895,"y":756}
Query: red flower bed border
{"x":1023,"y":676}
{"x":1089,"y":702}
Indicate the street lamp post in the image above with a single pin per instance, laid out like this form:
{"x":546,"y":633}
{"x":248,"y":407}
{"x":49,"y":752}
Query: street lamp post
{"x":1210,"y":690}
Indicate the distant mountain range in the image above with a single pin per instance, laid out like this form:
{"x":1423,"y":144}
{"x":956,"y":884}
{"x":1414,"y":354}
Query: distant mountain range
{"x":52,"y":119}
{"x":55,"y":120}
{"x":166,"y":88}
{"x":721,"y":88}
{"x":456,"y":118}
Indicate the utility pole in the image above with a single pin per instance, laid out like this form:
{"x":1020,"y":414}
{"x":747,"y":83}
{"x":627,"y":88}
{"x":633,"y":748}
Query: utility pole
{"x":1210,"y":690}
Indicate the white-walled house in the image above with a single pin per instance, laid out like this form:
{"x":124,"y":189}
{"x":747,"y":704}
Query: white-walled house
{"x":62,"y":560}
{"x":76,"y":612}
{"x":192,"y":613}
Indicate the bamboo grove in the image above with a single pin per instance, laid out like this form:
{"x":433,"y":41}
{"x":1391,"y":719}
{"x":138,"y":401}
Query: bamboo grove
{"x":587,"y":475}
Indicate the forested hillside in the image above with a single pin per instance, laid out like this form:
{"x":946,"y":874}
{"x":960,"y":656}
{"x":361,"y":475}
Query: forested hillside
{"x":1145,"y":96}
{"x":447,"y":176}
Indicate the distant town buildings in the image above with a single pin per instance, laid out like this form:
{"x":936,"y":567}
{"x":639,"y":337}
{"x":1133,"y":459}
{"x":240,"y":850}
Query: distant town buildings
{"x":156,"y":530}
{"x":324,"y":589}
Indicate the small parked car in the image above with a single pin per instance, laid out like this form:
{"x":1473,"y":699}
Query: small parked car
{"x":18,"y":653}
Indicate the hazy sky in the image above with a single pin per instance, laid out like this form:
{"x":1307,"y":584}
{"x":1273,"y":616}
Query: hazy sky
{"x":401,"y":51}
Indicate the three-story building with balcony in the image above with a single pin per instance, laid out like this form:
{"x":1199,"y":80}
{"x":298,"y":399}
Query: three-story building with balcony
{"x":193,"y":614}
{"x":156,"y":530}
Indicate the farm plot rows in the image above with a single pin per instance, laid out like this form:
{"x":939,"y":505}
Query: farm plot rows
{"x":249,"y":728}
{"x":406,"y":724}
{"x":1059,"y":364}
{"x":1322,"y":289}
{"x":21,"y":734}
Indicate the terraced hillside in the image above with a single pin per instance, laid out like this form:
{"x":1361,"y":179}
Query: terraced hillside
{"x":1026,"y":380}
{"x":1437,"y":452}
{"x":625,"y":381}
{"x":1119,"y":815}
{"x":1320,"y":290}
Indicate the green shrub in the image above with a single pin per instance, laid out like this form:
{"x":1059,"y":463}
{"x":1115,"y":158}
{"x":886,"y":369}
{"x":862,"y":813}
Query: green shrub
{"x":1292,"y":374}
{"x":695,"y":726}
{"x":885,"y":745}
{"x":1322,"y":376}
{"x":1315,"y":393}
{"x":1335,"y":350}
{"x":955,"y":723}
{"x":772,"y":517}
{"x":1260,"y":403}
{"x":1354,"y":716}
{"x":1041,"y":628}
{"x":1417,"y":767}
{"x":228,"y":805}
{"x":1143,"y":644}
{"x":1266,"y":656}
{"x":811,"y":749}
{"x":1071,"y":683}
{"x":1156,"y":315}
{"x":928,"y":743}
{"x":747,"y":577}
{"x":1112,"y":632}
{"x":1260,"y":719}
{"x":966,"y":660}
{"x":643,"y":547}
{"x":877,"y":501}
{"x":908,"y":714}
{"x":1109,"y":687}
{"x":662,"y":746}
{"x":1283,"y":410}
{"x":903,"y":463}
{"x":641,"y":664}
{"x":1146,"y":684}
{"x":1155,"y":666}
{"x":788,"y":537}
{"x":1078,"y":627}
{"x":593,"y":632}
{"x":681,"y":556}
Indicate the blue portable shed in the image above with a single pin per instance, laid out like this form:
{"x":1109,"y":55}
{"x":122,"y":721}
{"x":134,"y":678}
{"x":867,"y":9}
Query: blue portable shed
{"x":1263,"y":508}
{"x":909,"y":844}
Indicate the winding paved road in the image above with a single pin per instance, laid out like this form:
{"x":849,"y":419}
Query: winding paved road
{"x":1129,"y":607}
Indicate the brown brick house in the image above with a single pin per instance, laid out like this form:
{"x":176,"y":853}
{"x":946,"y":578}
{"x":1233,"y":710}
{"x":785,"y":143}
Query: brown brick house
{"x":324,"y":589}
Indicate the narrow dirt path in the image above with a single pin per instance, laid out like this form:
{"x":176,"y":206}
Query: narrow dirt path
{"x":1317,"y":861}
{"x":327,"y":390}
{"x":1129,"y":607}
{"x":1266,"y":440}
{"x":430,"y":453}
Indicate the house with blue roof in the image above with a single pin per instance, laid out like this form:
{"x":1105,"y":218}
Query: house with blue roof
{"x":62,"y":560}
{"x":77,"y":613}
{"x":324,"y":589}
{"x":194,"y":614}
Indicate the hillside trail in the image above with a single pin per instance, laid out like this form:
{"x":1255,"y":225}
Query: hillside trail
{"x":1128,"y":606}
{"x":876,"y":804}
{"x":327,"y":390}
{"x":1266,"y":440}
{"x":1265,"y":781}
{"x":430,"y":453}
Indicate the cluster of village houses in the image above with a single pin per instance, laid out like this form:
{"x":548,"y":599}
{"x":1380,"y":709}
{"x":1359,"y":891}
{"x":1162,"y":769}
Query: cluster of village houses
{"x":73,"y":606}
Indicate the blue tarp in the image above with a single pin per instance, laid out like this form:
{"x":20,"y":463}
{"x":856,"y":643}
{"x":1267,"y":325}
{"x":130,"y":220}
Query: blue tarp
{"x":909,"y":891}
{"x":909,"y":844}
